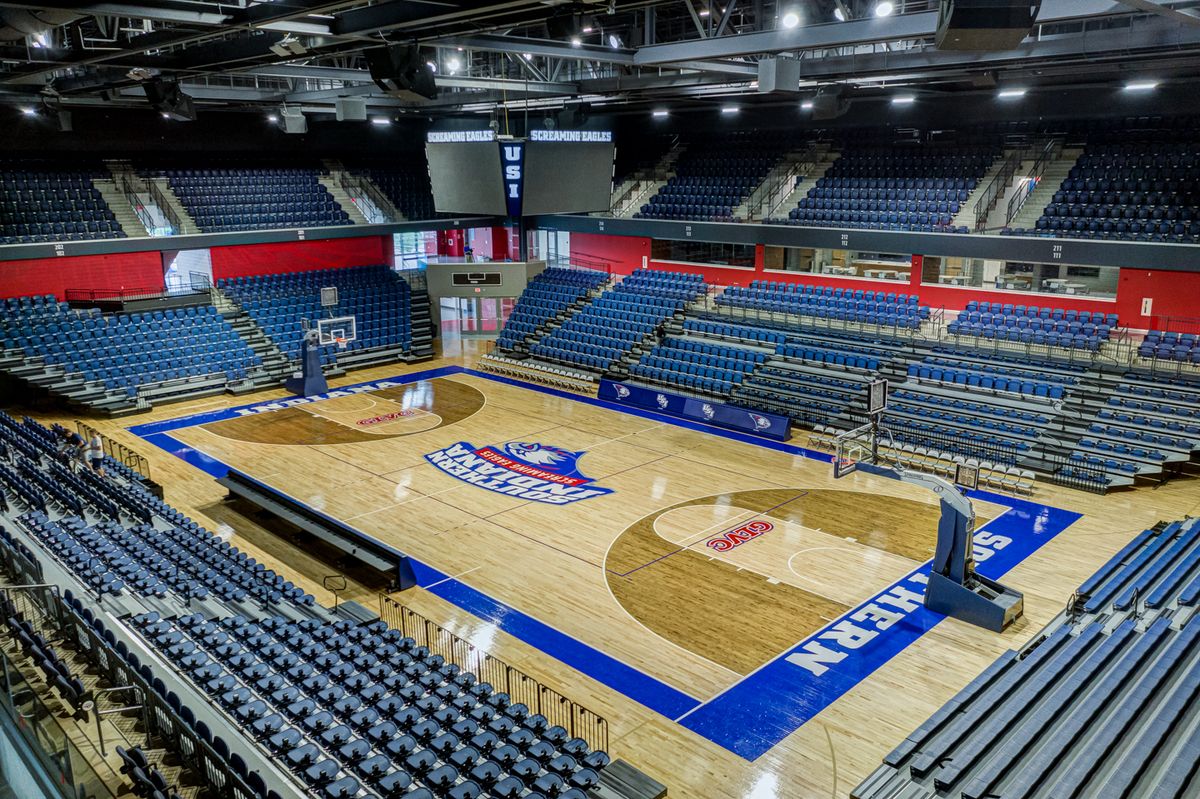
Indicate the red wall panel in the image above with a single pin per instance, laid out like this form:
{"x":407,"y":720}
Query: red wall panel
{"x":244,"y":260}
{"x":136,"y":270}
{"x":1172,"y":294}
{"x":622,"y":253}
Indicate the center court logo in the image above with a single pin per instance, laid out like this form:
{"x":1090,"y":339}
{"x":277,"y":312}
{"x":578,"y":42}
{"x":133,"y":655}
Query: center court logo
{"x":533,"y":471}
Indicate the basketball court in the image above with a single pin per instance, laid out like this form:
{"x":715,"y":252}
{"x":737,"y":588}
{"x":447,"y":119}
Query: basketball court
{"x":724,"y":581}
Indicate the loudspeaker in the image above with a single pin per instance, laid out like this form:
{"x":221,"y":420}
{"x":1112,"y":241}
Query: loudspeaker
{"x":293,"y":120}
{"x":170,"y":100}
{"x":778,"y":75}
{"x":350,"y":109}
{"x":828,"y":104}
{"x":985,"y":24}
{"x":63,"y":122}
{"x":400,"y":72}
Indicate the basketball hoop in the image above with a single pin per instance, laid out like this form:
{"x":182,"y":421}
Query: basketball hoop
{"x":340,"y":341}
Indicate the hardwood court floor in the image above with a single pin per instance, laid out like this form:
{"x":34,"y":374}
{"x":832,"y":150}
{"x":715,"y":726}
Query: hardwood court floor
{"x":580,"y":567}
{"x":628,"y":572}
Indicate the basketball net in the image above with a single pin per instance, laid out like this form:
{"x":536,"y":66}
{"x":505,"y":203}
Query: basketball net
{"x":340,"y":342}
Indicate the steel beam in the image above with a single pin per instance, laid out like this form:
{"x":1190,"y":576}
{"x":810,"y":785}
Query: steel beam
{"x":540,"y":47}
{"x":842,"y":34}
{"x":1158,"y":8}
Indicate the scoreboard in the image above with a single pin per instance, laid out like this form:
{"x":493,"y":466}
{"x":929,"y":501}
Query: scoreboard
{"x":550,"y":172}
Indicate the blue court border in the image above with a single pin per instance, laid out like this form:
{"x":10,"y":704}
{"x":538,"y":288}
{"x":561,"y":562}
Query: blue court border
{"x":753,"y":714}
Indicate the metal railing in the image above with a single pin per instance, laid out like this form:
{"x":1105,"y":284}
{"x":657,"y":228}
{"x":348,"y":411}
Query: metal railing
{"x":896,"y":332}
{"x":358,"y":189}
{"x":164,"y":205}
{"x":1172,"y":367}
{"x":583,"y":262}
{"x":1048,"y":154}
{"x":199,"y":282}
{"x":995,"y":189}
{"x":770,"y":194}
{"x":116,"y":450}
{"x":123,"y":182}
{"x":639,"y":182}
{"x":50,"y":743}
{"x":125,"y":186}
{"x":578,"y":721}
{"x":163,"y":723}
{"x":633,"y":196}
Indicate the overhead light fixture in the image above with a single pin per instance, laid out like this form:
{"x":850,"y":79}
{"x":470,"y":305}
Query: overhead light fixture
{"x":453,"y":64}
{"x":704,"y":12}
{"x":29,"y":112}
{"x":807,"y":105}
{"x":459,"y":49}
{"x":1141,"y":86}
{"x":432,"y":66}
{"x":272,"y":118}
{"x":884,"y":8}
{"x":790,"y":20}
{"x":588,"y":29}
{"x":839,"y":13}
{"x":660,"y":112}
{"x":380,"y":121}
{"x":165,"y":115}
{"x":730,"y":109}
{"x":576,"y":41}
{"x":614,"y":41}
{"x":904,"y":99}
{"x":38,"y":40}
{"x":288,"y":46}
{"x":527,"y":56}
{"x":139,"y":74}
{"x":1011,"y":94}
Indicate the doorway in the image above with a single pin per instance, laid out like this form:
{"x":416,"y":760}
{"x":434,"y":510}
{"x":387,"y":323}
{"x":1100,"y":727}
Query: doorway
{"x":185,"y":271}
{"x":474,"y":316}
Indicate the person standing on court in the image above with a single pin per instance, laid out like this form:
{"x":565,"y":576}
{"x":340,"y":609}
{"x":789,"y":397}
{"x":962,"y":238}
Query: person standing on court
{"x":95,"y":454}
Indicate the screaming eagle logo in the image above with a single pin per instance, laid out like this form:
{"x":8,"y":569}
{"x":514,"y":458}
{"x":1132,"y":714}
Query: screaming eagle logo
{"x":537,"y":472}
{"x":760,"y":422}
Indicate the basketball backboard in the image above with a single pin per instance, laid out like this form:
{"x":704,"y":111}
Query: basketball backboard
{"x":339,"y":330}
{"x":851,"y":448}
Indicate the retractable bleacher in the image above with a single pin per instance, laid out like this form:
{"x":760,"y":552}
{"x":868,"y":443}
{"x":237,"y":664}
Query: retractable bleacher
{"x":115,"y":362}
{"x":609,"y":327}
{"x":1103,"y":702}
{"x":340,"y":705}
{"x":391,"y":319}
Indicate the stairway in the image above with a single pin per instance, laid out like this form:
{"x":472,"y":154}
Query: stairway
{"x":422,"y":325}
{"x":121,"y":207}
{"x":644,"y":183}
{"x":807,"y":183}
{"x":368,"y":200}
{"x":966,"y":212}
{"x":1042,"y":195}
{"x":332,"y":185}
{"x":550,"y":325}
{"x":152,"y":194}
{"x":275,"y":366}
